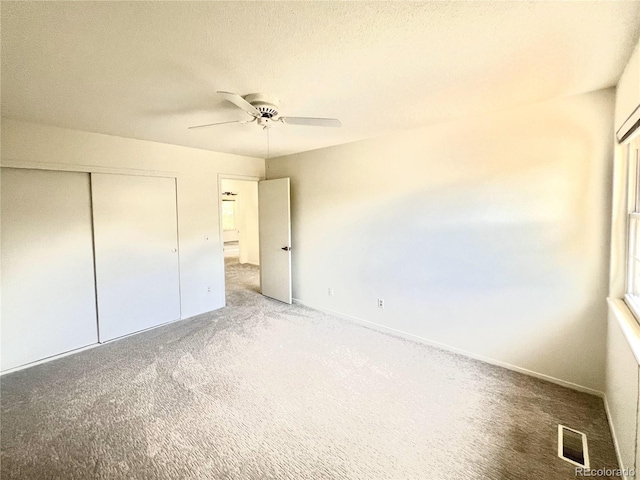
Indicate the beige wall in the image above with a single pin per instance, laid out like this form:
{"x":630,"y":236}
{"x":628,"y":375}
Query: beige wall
{"x":628,"y":91}
{"x":622,"y":396}
{"x":623,"y":336}
{"x":489,"y":235}
{"x":201,"y":257}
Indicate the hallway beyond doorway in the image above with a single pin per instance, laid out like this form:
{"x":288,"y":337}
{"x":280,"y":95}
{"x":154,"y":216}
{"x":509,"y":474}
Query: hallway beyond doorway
{"x":240,"y":277}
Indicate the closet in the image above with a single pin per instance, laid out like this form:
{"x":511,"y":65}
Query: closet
{"x":85,"y":258}
{"x":48,"y":293}
{"x":136,"y":250}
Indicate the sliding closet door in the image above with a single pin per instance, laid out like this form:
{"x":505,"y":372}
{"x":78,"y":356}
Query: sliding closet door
{"x":136,"y":252}
{"x":48,"y":293}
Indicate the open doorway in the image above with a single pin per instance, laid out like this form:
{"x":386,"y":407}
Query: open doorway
{"x":240,"y":235}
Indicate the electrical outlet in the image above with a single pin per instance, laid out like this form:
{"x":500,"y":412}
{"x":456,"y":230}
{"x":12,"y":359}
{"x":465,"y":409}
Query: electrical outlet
{"x":208,"y":289}
{"x":380,"y":303}
{"x":330,"y":292}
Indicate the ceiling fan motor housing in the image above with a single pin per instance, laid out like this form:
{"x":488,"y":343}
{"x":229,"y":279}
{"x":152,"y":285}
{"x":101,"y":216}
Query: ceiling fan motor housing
{"x":266,"y":104}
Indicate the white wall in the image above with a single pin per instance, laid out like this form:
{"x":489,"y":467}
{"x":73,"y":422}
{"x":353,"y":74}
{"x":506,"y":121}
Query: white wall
{"x":622,"y":382}
{"x":246,"y":218}
{"x":230,"y":236}
{"x":488,"y":235}
{"x":628,"y":90}
{"x":201,"y":256}
{"x":623,"y":336}
{"x":621,"y":387}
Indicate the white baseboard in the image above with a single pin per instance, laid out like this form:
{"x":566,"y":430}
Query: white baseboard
{"x":49,"y":359}
{"x":443,"y":346}
{"x":491,"y":361}
{"x":89,"y":347}
{"x":614,"y":438}
{"x":249,"y":263}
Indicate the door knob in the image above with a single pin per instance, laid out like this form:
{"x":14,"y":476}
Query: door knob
{"x":286,"y":249}
{"x":175,"y":250}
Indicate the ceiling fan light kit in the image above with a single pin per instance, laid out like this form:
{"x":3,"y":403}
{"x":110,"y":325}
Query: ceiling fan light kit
{"x":265,"y":110}
{"x":267,"y":105}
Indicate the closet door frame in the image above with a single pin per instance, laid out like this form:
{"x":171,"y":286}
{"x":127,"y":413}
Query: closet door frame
{"x":110,"y":328}
{"x":52,"y":310}
{"x":89,"y":169}
{"x":77,"y":167}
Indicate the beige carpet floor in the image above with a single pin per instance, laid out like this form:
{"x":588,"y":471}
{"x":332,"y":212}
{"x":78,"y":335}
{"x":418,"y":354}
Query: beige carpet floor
{"x":263,"y":390}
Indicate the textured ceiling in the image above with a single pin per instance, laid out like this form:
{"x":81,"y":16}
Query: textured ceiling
{"x":148,"y":70}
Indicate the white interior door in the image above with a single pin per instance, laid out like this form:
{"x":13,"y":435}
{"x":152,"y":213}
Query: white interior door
{"x":48,"y":294}
{"x":275,"y":238}
{"x":136,"y":252}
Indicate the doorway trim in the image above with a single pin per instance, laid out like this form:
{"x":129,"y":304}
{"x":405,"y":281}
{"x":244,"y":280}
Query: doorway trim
{"x":228,"y":176}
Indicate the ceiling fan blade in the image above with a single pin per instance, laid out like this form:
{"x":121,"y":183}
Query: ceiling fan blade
{"x":240,"y":102}
{"x":219,"y":123}
{"x":312,"y":122}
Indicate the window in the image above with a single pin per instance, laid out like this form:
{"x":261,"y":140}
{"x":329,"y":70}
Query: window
{"x":632,"y":296}
{"x":228,"y":215}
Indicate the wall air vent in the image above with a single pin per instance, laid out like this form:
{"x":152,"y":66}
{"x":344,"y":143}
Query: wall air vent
{"x":572,"y":446}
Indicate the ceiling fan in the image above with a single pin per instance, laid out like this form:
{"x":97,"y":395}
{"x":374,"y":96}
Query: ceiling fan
{"x":264,"y":110}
